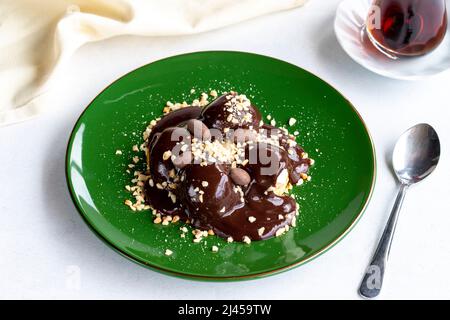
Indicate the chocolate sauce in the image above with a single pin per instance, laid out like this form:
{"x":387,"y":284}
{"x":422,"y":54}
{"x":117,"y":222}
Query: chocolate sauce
{"x":206,"y":194}
{"x":175,"y":119}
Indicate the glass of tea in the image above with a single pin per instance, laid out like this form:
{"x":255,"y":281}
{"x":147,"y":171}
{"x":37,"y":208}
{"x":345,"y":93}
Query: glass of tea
{"x":401,"y":28}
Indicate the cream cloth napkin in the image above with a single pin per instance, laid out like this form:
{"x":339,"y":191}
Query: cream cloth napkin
{"x":38,"y":37}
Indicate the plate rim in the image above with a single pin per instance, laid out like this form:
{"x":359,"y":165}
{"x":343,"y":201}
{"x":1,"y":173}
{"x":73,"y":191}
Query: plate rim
{"x":188,"y":276}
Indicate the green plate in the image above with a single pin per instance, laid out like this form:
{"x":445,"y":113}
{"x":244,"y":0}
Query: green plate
{"x":331,"y":131}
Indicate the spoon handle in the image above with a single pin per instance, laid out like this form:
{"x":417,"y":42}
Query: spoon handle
{"x":373,"y":279}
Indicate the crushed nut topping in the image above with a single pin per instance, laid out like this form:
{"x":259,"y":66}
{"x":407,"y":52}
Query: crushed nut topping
{"x":247,"y":240}
{"x":211,"y":151}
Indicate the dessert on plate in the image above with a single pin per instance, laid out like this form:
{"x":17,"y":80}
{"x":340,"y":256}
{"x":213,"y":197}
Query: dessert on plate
{"x":218,"y":167}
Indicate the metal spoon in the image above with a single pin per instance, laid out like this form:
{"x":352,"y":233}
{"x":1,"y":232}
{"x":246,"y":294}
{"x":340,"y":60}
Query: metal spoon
{"x":416,"y":155}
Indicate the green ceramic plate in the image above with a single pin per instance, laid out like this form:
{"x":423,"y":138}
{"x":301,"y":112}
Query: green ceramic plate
{"x":330,"y":129}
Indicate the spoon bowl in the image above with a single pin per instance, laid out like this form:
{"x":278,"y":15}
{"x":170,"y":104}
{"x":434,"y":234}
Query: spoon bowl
{"x":416,"y":154}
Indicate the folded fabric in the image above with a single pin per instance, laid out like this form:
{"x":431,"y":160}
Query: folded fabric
{"x":37,"y":38}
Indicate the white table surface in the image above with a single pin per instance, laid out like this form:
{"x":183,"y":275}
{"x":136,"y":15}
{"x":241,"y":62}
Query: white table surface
{"x":44,"y":243}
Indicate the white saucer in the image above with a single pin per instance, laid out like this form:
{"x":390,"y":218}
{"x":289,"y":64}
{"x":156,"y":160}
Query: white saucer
{"x":350,"y":18}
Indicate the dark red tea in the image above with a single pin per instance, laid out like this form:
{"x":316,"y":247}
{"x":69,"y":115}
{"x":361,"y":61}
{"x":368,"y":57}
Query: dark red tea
{"x":408,"y":27}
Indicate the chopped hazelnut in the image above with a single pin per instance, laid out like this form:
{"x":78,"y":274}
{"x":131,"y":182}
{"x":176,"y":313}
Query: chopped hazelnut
{"x":166,"y":155}
{"x":261,"y":231}
{"x":157,"y":220}
{"x":247,"y":240}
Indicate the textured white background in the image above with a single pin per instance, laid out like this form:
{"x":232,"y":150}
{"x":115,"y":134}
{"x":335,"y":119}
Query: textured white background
{"x":42,"y":236}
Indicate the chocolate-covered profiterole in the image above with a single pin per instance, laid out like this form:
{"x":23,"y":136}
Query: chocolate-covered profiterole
{"x":222,"y":169}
